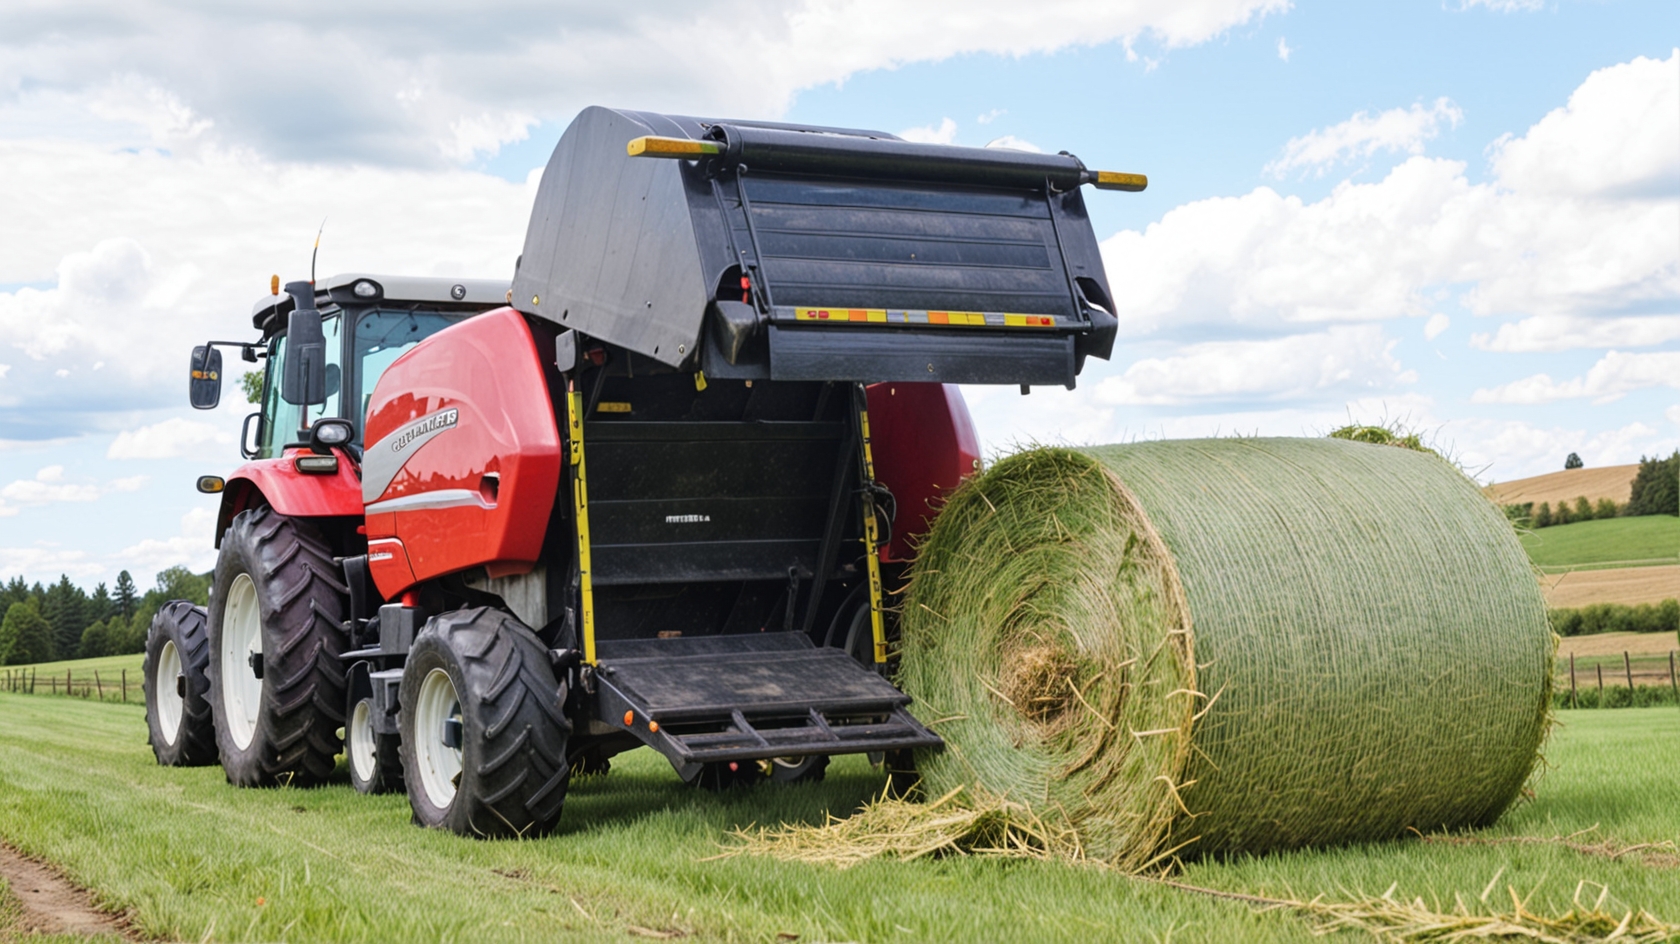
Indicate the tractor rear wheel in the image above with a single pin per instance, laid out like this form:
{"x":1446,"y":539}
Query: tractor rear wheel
{"x":375,"y":759}
{"x":276,"y":685}
{"x":180,"y":729}
{"x":483,"y":728}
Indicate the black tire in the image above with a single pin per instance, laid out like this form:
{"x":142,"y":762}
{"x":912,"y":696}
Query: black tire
{"x":380,"y":769}
{"x":798,"y":769}
{"x":178,"y":644}
{"x":510,"y":729}
{"x":718,"y":777}
{"x":283,"y":568}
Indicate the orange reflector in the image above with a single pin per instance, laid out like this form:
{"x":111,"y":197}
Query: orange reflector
{"x":653,"y":727}
{"x":629,"y":718}
{"x":1113,"y":180}
{"x":653,"y":146}
{"x":274,"y":285}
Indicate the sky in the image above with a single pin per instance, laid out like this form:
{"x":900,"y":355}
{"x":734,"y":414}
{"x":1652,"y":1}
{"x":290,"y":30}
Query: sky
{"x":1461,"y":215}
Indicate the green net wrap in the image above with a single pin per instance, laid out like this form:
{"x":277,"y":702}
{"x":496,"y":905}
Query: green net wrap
{"x":1210,"y":646}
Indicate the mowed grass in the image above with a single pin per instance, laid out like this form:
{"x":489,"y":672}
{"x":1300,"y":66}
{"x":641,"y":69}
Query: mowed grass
{"x":1651,"y":538}
{"x":192,"y":858}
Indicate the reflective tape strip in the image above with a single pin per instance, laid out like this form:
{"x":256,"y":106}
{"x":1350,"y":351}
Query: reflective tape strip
{"x":904,"y":316}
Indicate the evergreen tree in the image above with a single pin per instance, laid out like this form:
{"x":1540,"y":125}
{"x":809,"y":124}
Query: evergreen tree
{"x":1543,"y":517}
{"x":125,"y":595}
{"x":64,"y":607}
{"x":1583,"y":509}
{"x":99,"y":603}
{"x":25,"y":635}
{"x":15,"y":591}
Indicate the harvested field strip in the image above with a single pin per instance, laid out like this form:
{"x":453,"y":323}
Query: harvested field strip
{"x":1626,"y":585}
{"x":189,"y":855}
{"x":1614,"y":482}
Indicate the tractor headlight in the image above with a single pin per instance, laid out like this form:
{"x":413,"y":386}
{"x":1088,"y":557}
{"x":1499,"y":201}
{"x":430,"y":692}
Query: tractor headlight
{"x":330,"y":432}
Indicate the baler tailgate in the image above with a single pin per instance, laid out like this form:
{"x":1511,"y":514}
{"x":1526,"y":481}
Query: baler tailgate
{"x":748,"y":697}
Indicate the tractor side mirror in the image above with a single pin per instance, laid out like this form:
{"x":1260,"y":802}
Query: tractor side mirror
{"x":304,"y":380}
{"x":204,"y":389}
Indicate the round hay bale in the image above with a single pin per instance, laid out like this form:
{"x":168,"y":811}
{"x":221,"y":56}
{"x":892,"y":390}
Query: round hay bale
{"x":1223,"y":645}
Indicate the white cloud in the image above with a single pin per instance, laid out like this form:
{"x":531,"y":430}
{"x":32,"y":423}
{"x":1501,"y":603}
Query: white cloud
{"x":121,"y":315}
{"x":1283,"y":49}
{"x":169,"y":439}
{"x":192,"y":547}
{"x":1673,"y":414}
{"x":1399,"y":246}
{"x":1434,"y":327}
{"x":1615,"y":138}
{"x":1499,"y":451}
{"x":1015,"y":144}
{"x":945,"y":133}
{"x":1342,"y":358}
{"x":1614,"y":376}
{"x":437,"y":80}
{"x":1568,"y":332}
{"x":1505,"y":6}
{"x":48,"y":487}
{"x":1398,"y":130}
{"x":991,"y":116}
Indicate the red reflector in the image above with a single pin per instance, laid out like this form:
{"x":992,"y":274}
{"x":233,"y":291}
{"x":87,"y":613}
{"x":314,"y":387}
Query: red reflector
{"x":734,"y":766}
{"x":746,"y":283}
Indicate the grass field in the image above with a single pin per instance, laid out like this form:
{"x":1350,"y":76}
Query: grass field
{"x":191,"y":858}
{"x":1648,"y":538}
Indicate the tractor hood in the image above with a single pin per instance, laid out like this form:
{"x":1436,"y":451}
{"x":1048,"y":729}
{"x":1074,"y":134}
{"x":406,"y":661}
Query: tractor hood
{"x":801,"y":253}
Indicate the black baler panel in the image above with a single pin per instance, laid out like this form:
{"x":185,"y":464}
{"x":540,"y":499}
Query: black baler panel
{"x":856,"y":244}
{"x":707,"y":501}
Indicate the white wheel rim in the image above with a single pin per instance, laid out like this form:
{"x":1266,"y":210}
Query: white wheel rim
{"x":439,"y":763}
{"x":361,"y":741}
{"x":241,"y":637}
{"x":170,"y":704}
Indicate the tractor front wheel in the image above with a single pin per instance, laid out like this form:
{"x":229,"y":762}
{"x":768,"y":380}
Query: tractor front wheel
{"x":483,"y":729}
{"x":375,"y":759}
{"x":276,"y":685}
{"x":180,"y":729}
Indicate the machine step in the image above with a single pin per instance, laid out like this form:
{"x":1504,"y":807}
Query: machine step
{"x":747,"y":697}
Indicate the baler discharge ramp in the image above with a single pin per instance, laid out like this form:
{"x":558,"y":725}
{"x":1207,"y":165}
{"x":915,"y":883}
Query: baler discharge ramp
{"x":750,"y":697}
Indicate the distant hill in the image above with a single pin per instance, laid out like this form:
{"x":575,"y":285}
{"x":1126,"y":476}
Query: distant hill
{"x":1614,"y":482}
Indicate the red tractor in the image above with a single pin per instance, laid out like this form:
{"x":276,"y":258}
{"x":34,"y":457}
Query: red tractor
{"x":664,"y":496}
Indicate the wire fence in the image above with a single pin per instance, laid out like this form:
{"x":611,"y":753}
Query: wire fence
{"x":89,"y":684}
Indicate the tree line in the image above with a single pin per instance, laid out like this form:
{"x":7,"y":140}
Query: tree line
{"x":63,"y":621}
{"x":1656,"y":491}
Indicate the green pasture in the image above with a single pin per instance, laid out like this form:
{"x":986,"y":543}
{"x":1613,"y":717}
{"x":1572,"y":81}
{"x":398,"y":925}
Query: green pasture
{"x":1647,"y":539}
{"x":190,"y":858}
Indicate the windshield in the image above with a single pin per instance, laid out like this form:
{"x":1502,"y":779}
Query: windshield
{"x":382,"y":337}
{"x":282,"y":420}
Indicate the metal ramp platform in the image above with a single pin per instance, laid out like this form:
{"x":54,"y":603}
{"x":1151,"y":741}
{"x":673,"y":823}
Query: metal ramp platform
{"x":748,"y":697}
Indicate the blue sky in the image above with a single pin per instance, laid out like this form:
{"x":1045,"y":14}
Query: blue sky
{"x":1462,"y":215}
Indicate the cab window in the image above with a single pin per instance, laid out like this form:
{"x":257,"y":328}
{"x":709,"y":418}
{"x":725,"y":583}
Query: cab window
{"x":282,"y":420}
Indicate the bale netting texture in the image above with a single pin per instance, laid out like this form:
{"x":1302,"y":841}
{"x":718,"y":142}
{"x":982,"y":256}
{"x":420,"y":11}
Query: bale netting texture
{"x":1229,"y":645}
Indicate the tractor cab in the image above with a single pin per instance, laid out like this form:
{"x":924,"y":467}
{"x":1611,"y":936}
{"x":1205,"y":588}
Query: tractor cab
{"x":366,"y":323}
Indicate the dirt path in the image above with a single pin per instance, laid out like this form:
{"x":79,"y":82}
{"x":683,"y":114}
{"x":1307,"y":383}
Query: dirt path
{"x":52,"y":905}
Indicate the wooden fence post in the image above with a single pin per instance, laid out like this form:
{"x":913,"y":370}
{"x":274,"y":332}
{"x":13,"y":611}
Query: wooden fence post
{"x":1574,"y":702}
{"x":1672,"y":681}
{"x":98,"y":686}
{"x":1627,"y":663}
{"x":1600,"y":668}
{"x":52,"y":683}
{"x":67,"y":690}
{"x":125,"y":685}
